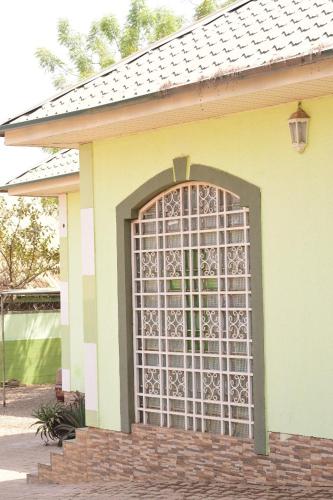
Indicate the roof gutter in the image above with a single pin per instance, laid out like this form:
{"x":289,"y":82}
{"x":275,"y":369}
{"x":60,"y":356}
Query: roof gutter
{"x":7,"y":187}
{"x":275,"y":66}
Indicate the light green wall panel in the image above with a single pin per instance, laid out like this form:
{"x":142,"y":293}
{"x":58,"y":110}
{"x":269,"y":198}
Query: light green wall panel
{"x":33,"y":361}
{"x":297,"y":210}
{"x":90,"y":328}
{"x":75,"y":292}
{"x":92,"y":418}
{"x":32,"y":326}
{"x":33,"y":346}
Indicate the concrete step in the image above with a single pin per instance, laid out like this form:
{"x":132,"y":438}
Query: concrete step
{"x":44,"y":473}
{"x":32,"y":478}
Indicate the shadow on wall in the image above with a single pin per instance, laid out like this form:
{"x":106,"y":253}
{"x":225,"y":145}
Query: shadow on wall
{"x":33,"y":361}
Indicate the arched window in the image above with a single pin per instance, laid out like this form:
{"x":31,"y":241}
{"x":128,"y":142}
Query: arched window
{"x":192,"y":311}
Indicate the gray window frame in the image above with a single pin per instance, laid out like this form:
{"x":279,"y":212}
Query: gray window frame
{"x":126,"y":211}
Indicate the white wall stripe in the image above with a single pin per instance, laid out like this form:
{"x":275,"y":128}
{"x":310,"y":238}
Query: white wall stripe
{"x":90,"y":376}
{"x":87,"y":241}
{"x":66,"y":379}
{"x":63,"y":216}
{"x":64,"y":316}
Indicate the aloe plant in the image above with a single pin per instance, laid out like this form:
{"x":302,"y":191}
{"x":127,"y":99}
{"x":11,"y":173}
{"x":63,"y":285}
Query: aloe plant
{"x":49,"y":416}
{"x":73,"y":417}
{"x":58,"y":420}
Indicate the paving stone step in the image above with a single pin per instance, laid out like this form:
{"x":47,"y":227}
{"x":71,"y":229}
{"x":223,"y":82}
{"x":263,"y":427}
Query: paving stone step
{"x":32,"y":478}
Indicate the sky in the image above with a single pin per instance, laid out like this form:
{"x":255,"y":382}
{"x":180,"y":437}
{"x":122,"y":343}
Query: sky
{"x":27,"y":25}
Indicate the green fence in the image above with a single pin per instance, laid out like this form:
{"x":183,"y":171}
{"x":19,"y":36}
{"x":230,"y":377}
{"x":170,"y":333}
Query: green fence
{"x":32,"y":346}
{"x":33,"y":361}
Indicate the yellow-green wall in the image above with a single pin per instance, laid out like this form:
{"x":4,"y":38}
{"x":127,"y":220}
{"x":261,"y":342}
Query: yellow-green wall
{"x":33,"y":361}
{"x":32,"y":346}
{"x":75,"y":293}
{"x":297,"y":209}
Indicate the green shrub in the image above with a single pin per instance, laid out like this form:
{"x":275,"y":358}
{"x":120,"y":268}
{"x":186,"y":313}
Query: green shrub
{"x":48,"y":415}
{"x":72,"y":418}
{"x":59,"y":421}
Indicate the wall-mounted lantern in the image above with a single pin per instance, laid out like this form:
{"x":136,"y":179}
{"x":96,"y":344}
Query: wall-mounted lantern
{"x":299,"y":128}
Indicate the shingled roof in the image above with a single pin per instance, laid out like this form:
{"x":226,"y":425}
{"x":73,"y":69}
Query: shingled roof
{"x":65,"y":162}
{"x":248,"y":35}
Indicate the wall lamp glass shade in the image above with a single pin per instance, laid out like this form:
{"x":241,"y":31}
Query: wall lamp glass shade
{"x":299,"y":129}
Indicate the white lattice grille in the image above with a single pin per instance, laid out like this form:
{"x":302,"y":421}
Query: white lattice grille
{"x":192,"y":312}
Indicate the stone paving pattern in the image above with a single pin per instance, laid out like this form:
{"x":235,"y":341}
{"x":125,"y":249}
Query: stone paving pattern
{"x":159,"y":490}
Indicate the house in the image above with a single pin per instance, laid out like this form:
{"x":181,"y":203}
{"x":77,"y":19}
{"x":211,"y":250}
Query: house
{"x":205,"y":205}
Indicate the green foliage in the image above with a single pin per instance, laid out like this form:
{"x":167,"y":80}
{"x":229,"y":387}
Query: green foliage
{"x":105,"y":42}
{"x":28,"y":248}
{"x":59,"y":420}
{"x":49,"y":416}
{"x":51,"y":151}
{"x":72,"y":418}
{"x":110,"y":28}
{"x":206,"y":7}
{"x":164,"y":22}
{"x":75,"y":43}
{"x":136,"y":28}
{"x":49,"y":206}
{"x":48,"y":60}
{"x":96,"y":43}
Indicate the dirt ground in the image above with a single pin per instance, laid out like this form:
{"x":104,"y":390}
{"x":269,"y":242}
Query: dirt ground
{"x":20,"y":451}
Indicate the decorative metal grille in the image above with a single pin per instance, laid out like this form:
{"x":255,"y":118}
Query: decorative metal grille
{"x":192,"y":312}
{"x":18,"y":301}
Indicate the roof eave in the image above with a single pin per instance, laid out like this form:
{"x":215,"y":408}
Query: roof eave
{"x":132,"y":57}
{"x":49,"y":186}
{"x":306,"y":59}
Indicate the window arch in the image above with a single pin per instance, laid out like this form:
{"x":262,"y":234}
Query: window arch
{"x":126,"y":212}
{"x":193,"y":357}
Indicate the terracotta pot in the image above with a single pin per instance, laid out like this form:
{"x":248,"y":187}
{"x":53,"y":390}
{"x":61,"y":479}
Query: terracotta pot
{"x":58,"y":386}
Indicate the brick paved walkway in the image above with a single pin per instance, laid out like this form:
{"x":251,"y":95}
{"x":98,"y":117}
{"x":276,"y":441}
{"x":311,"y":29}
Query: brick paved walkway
{"x":18,"y":490}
